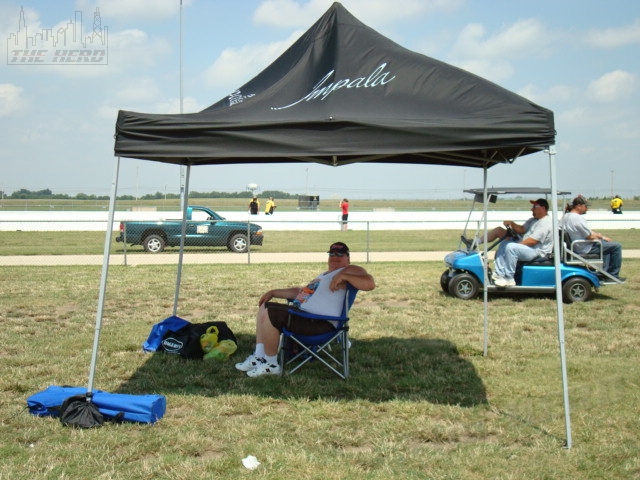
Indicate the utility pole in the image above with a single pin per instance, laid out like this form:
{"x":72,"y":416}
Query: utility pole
{"x":611,"y":183}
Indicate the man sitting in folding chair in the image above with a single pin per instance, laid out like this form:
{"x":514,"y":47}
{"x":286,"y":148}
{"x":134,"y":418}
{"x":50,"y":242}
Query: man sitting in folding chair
{"x":324,"y":295}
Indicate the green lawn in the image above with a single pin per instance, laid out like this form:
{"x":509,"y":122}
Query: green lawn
{"x":422,"y":401}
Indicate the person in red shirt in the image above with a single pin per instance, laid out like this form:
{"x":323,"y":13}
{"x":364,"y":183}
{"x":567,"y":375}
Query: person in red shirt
{"x":344,"y":205}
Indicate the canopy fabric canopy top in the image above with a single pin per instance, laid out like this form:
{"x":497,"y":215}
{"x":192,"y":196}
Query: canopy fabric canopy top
{"x":343,"y":93}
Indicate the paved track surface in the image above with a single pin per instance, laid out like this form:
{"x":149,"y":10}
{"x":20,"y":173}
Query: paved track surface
{"x":229,"y":258}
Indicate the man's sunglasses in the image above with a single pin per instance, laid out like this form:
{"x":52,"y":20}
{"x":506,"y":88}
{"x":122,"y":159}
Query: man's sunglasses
{"x":334,"y":254}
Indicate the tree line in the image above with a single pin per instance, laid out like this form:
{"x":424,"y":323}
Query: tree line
{"x":47,"y":194}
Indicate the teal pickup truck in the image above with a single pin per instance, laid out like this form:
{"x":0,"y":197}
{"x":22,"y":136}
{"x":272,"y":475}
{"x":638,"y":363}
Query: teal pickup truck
{"x":205,"y":228}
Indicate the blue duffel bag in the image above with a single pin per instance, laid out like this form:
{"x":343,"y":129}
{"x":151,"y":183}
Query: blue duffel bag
{"x":123,"y":406}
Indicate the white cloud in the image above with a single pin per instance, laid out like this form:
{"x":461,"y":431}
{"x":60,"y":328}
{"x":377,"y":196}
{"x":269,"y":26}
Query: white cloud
{"x":128,"y":51}
{"x":135,"y":48}
{"x":574,"y":117}
{"x":613,"y":86}
{"x":9,"y":23}
{"x":625,"y":131}
{"x":493,"y":70}
{"x":143,"y":89}
{"x":11,"y":99}
{"x":290,"y":13}
{"x":236,"y":66}
{"x":555,"y":94}
{"x":133,"y":9}
{"x":523,"y":37}
{"x":490,"y":56}
{"x":615,"y":37}
{"x":189,"y":105}
{"x":10,"y":16}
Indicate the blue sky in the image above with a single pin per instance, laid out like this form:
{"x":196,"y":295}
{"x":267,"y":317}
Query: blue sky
{"x":580,"y":59}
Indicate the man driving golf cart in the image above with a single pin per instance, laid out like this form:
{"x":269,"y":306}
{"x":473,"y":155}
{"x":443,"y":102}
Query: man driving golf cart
{"x":526,"y":242}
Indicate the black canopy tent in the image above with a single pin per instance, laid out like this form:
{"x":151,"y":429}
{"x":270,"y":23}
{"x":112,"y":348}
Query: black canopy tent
{"x":342,"y":94}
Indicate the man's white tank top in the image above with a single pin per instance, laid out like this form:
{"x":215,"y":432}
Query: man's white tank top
{"x":318,"y":298}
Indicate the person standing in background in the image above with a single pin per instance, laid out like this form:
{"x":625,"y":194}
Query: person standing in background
{"x":254,"y":206}
{"x":344,"y":206}
{"x":616,"y":204}
{"x":270,"y":206}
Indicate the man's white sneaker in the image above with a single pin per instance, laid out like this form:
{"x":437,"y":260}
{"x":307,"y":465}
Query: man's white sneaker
{"x":504,"y":282}
{"x":265,"y":368}
{"x":250,"y":363}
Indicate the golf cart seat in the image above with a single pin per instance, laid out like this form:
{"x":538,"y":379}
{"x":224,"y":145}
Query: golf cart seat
{"x":541,"y":261}
{"x":571,"y":257}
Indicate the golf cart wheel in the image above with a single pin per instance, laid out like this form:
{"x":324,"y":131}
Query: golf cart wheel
{"x":444,"y":281}
{"x":464,"y":286}
{"x":154,"y":243}
{"x":577,"y":289}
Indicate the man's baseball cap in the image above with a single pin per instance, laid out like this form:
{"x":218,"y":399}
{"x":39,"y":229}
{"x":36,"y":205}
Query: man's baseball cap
{"x":339,"y":247}
{"x":541,"y":201}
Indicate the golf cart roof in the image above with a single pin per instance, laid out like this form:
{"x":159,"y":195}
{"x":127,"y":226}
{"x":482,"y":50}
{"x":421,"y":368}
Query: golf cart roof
{"x":515,"y":191}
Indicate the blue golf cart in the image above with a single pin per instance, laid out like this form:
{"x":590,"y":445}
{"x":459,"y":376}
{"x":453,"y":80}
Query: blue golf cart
{"x":464,"y":278}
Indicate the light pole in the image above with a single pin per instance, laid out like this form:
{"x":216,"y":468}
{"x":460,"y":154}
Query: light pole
{"x":612,"y":183}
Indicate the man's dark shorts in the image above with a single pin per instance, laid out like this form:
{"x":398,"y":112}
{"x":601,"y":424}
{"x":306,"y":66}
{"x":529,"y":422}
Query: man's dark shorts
{"x":279,"y":317}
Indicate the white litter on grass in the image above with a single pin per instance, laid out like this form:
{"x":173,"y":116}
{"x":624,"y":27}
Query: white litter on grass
{"x":250,"y":462}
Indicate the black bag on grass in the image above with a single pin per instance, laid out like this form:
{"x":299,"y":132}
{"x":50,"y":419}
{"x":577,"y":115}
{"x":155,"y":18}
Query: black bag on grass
{"x":186,"y":341}
{"x":79,"y":411}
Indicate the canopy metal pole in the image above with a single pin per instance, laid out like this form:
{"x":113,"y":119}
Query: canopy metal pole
{"x":183,"y":195}
{"x":485,"y":207}
{"x":105,"y":273}
{"x":560,"y":310}
{"x":181,"y":98}
{"x":183,"y":233}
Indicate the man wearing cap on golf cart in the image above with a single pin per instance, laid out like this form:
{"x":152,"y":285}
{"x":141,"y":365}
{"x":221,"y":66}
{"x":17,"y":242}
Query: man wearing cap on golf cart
{"x":534,"y":240}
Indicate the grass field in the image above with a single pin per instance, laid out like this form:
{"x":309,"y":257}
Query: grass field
{"x":92,"y":243}
{"x":422,"y":401}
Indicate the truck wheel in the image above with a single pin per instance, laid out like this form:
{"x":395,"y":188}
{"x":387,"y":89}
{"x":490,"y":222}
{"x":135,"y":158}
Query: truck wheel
{"x":464,"y":286}
{"x":154,"y":243}
{"x":239,"y":243}
{"x":576,"y":289}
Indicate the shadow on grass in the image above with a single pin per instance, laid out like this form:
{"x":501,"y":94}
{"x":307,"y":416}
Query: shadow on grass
{"x":381,"y":370}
